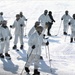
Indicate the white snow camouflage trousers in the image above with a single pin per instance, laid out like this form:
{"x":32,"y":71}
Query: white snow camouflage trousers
{"x":33,"y":58}
{"x":4,"y":45}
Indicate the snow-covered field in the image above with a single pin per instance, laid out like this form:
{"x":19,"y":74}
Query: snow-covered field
{"x":62,"y":52}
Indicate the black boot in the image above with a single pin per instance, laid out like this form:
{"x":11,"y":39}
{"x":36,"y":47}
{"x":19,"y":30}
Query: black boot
{"x":48,"y":34}
{"x":7,"y":55}
{"x":1,"y":55}
{"x":27,"y":70}
{"x":14,"y":47}
{"x":21,"y":47}
{"x":36,"y":72}
{"x":41,"y":57}
{"x":71,"y":40}
{"x":65,"y":33}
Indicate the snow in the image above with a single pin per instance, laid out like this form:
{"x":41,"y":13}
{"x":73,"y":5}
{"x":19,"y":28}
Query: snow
{"x":62,"y":52}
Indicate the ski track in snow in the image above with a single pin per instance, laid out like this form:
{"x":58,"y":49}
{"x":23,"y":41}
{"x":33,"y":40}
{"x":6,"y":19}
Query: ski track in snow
{"x":61,"y":51}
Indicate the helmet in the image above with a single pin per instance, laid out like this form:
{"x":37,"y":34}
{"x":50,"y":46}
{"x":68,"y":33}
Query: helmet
{"x":37,"y":23}
{"x":46,"y":11}
{"x":17,"y":15}
{"x":74,"y":16}
{"x":1,"y":13}
{"x":50,"y":12}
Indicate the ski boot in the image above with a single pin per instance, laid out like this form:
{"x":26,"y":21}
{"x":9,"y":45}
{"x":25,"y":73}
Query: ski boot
{"x":27,"y":70}
{"x":14,"y":47}
{"x":1,"y":55}
{"x":21,"y":47}
{"x":65,"y":33}
{"x":48,"y":34}
{"x":41,"y":57}
{"x":7,"y":56}
{"x":71,"y":40}
{"x":36,"y":72}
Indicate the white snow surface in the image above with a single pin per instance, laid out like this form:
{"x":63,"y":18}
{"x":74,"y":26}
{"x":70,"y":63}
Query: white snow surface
{"x":62,"y":52}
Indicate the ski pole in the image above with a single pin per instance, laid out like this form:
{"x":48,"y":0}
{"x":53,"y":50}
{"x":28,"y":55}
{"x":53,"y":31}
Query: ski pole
{"x":66,"y":35}
{"x":46,"y":51}
{"x":25,"y":28}
{"x":26,"y":61}
{"x":59,"y":28}
{"x":49,"y":58}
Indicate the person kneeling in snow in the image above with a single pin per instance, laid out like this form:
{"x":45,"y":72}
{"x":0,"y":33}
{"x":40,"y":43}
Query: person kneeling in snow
{"x":72,"y":23}
{"x":5,"y":37}
{"x":35,"y":42}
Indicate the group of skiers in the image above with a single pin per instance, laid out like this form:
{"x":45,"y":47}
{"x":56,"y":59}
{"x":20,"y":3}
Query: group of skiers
{"x":5,"y":35}
{"x":36,"y":35}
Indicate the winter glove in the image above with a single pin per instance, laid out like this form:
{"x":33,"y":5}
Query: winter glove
{"x":2,"y":39}
{"x":26,"y":19}
{"x":53,"y":20}
{"x":33,"y":46}
{"x":21,"y":25}
{"x":61,"y":18}
{"x":10,"y":37}
{"x":44,"y":35}
{"x":10,"y":26}
{"x":47,"y":43}
{"x":69,"y":23}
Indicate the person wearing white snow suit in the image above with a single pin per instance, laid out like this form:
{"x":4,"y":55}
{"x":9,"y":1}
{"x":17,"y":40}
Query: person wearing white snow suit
{"x":22,"y":16}
{"x":72,"y":23}
{"x":1,"y":16}
{"x":66,"y":18}
{"x":19,"y":29}
{"x":35,"y":41}
{"x":5,"y":39}
{"x":24,"y":19}
{"x":33,"y":29}
{"x":44,"y":18}
{"x":50,"y":23}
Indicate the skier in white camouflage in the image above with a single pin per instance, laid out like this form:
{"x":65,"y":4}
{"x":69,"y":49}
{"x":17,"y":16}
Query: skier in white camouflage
{"x":22,"y":16}
{"x":66,"y":18}
{"x":5,"y":39}
{"x":44,"y":18}
{"x":19,"y":29}
{"x":33,"y":29}
{"x":24,"y":19}
{"x":72,"y":23}
{"x":34,"y":51}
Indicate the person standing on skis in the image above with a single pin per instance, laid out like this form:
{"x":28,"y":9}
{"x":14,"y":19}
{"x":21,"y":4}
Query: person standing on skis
{"x":22,"y":16}
{"x":33,"y":29}
{"x":66,"y":18}
{"x":44,"y":18}
{"x":24,"y":19}
{"x":72,"y":23}
{"x":34,"y":51}
{"x":5,"y":39}
{"x":50,"y":23}
{"x":19,"y":29}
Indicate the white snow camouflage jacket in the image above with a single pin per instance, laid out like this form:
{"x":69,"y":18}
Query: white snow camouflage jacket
{"x":17,"y":26}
